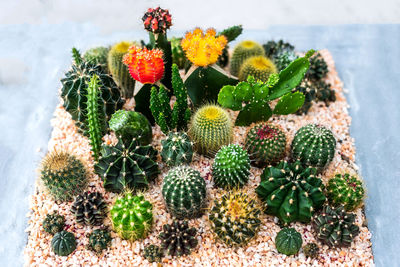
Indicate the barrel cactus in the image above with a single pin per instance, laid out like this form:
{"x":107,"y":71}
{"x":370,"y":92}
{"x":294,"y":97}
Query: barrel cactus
{"x":177,"y":149}
{"x":184,"y":192}
{"x":231,"y":167}
{"x":314,"y":145}
{"x":291,"y":192}
{"x":345,"y":190}
{"x":288,"y":241}
{"x":63,"y":243}
{"x":243,"y":51}
{"x":99,"y":240}
{"x":53,"y":223}
{"x":259,"y":67}
{"x":97,"y":56}
{"x":131,"y":216}
{"x":89,"y":208}
{"x":178,"y":238}
{"x":152,"y":253}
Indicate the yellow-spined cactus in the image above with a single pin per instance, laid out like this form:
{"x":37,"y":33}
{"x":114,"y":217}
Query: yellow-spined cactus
{"x":259,"y":67}
{"x":243,"y":51}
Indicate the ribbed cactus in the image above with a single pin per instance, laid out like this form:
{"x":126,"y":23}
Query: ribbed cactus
{"x":184,"y":192}
{"x":99,"y":240}
{"x":266,"y":144}
{"x":345,"y":190}
{"x":283,"y":60}
{"x":243,"y":51}
{"x":89,"y":208}
{"x":152,"y":253}
{"x":235,"y":218}
{"x":231,"y":167}
{"x":63,"y":243}
{"x":314,"y":145}
{"x":176,"y":149}
{"x":291,"y":192}
{"x":288,"y":241}
{"x":210,"y":128}
{"x":131,"y":216}
{"x":178,"y":239}
{"x":53,"y":223}
{"x":259,"y":67}
{"x":98,"y":56}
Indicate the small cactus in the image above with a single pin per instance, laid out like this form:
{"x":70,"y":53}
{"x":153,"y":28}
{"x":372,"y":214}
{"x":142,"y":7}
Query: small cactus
{"x":152,"y":253}
{"x":345,"y":190}
{"x":176,"y":149}
{"x":97,"y":56}
{"x":318,"y":68}
{"x":63,"y":243}
{"x":311,"y":250}
{"x":288,"y":241}
{"x":89,"y":208}
{"x":243,"y":51}
{"x":178,"y":239}
{"x":275,"y":49}
{"x":99,"y":240}
{"x":53,"y":223}
{"x":259,"y":67}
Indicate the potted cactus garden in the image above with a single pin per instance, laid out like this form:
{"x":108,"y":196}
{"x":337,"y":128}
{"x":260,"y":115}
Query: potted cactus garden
{"x":191,"y":151}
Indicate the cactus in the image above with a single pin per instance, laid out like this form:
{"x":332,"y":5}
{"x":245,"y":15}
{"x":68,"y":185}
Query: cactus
{"x":176,"y":149}
{"x":178,"y":239}
{"x":243,"y":51}
{"x":266,"y":144}
{"x":259,"y":67}
{"x":184,"y":192}
{"x":235,"y":218}
{"x":74,"y":93}
{"x":210,"y":128}
{"x":53,"y":223}
{"x":152,"y":253}
{"x":178,"y":56}
{"x":283,"y":60}
{"x":127,"y":166}
{"x":334,"y":227}
{"x":63,"y":243}
{"x":231,"y":34}
{"x":64,"y":175}
{"x":318,"y":68}
{"x":93,"y":117}
{"x":314,"y":145}
{"x":97,"y":56}
{"x":345,"y":190}
{"x":311,"y":250}
{"x":131,"y":124}
{"x":324,"y":92}
{"x":291,"y":192}
{"x":131,"y":216}
{"x":118,"y":69}
{"x":99,"y":240}
{"x":274,"y":50}
{"x":231,"y":167}
{"x":89,"y":208}
{"x":288,"y":241}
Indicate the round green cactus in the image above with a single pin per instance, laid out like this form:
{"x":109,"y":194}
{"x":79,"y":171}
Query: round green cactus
{"x":259,"y":67}
{"x":64,"y":175}
{"x":99,"y":240}
{"x":53,"y":223}
{"x":184,"y":192}
{"x":131,"y":124}
{"x":131,"y":216}
{"x":178,"y":239}
{"x":288,"y":241}
{"x":235,"y":218}
{"x":314,"y":145}
{"x":97,"y":55}
{"x":345,"y":190}
{"x":177,"y":149}
{"x":231,"y":167}
{"x":311,"y":250}
{"x":152,"y":253}
{"x":63,"y":243}
{"x":210,"y":128}
{"x":243,"y":51}
{"x":89,"y":208}
{"x":266,"y":144}
{"x":291,"y":192}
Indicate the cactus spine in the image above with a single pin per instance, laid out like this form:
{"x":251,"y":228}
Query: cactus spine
{"x":89,"y":208}
{"x":152,"y":253}
{"x":176,"y":149}
{"x":243,"y":51}
{"x":93,"y":118}
{"x":345,"y":190}
{"x":259,"y":67}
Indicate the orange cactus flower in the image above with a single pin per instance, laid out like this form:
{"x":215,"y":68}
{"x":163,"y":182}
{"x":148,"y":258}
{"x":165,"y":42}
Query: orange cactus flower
{"x":145,"y":66}
{"x":203,"y":49}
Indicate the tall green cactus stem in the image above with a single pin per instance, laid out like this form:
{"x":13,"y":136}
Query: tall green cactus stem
{"x":177,"y":149}
{"x":210,"y":128}
{"x":291,"y":192}
{"x":314,"y":145}
{"x":131,"y":216}
{"x":345,"y":190}
{"x":184,"y":192}
{"x":259,"y":67}
{"x":97,"y":55}
{"x":231,"y":167}
{"x":288,"y":241}
{"x":243,"y":51}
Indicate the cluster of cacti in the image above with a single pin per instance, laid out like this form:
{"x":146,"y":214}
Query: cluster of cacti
{"x":266,"y":144}
{"x":97,"y":55}
{"x":99,"y":240}
{"x":235,"y":218}
{"x":176,"y":149}
{"x":288,"y":241}
{"x":345,"y":190}
{"x":53,"y":223}
{"x":243,"y":51}
{"x":314,"y":145}
{"x":131,"y":216}
{"x":152,"y":253}
{"x":311,"y":250}
{"x":184,"y":192}
{"x":231,"y":167}
{"x":178,"y":238}
{"x":318,"y":68}
{"x":259,"y":67}
{"x":291,"y":192}
{"x":314,"y":91}
{"x":63,"y":243}
{"x":89,"y":208}
{"x":64,"y":175}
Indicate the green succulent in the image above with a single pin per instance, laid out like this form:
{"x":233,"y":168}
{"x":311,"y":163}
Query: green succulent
{"x":288,"y":241}
{"x":99,"y":240}
{"x":53,"y":223}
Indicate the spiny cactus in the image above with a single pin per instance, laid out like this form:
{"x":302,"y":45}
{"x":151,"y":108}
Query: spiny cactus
{"x":53,"y":223}
{"x":210,"y":128}
{"x":93,"y":117}
{"x":318,"y":68}
{"x":231,"y":167}
{"x":127,"y":166}
{"x":345,"y":190}
{"x":266,"y":144}
{"x":314,"y":145}
{"x":89,"y":208}
{"x":335,"y":227}
{"x":184,"y":192}
{"x":243,"y":51}
{"x":152,"y":253}
{"x":235,"y":218}
{"x":99,"y":240}
{"x":97,"y":56}
{"x":178,"y":239}
{"x":274,"y":49}
{"x":311,"y":250}
{"x":291,"y":192}
{"x":283,"y":60}
{"x":288,"y":241}
{"x":131,"y":216}
{"x":64,"y":175}
{"x":176,"y":149}
{"x":63,"y":243}
{"x":259,"y":67}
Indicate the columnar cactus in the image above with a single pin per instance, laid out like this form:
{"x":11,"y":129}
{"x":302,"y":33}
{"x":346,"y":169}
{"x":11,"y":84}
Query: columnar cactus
{"x":178,"y":239}
{"x":314,"y":145}
{"x":288,"y":241}
{"x":97,"y":56}
{"x":243,"y":51}
{"x":131,"y":216}
{"x":152,"y":253}
{"x":176,"y":149}
{"x":63,"y":243}
{"x":89,"y":208}
{"x":235,"y":218}
{"x":53,"y":223}
{"x":291,"y":192}
{"x":231,"y":167}
{"x":345,"y":190}
{"x":99,"y":240}
{"x":184,"y":192}
{"x":259,"y":67}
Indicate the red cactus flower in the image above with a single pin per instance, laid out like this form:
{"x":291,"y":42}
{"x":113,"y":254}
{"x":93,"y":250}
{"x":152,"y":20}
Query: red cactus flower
{"x":157,"y":20}
{"x":145,"y":66}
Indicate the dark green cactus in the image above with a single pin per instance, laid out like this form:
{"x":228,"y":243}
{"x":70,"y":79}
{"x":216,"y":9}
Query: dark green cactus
{"x":318,"y":68}
{"x":152,"y":253}
{"x":99,"y":240}
{"x":231,"y":33}
{"x":177,"y":149}
{"x":93,"y":117}
{"x":127,"y":166}
{"x":184,"y":192}
{"x":53,"y":223}
{"x":291,"y":192}
{"x":335,"y":227}
{"x":311,"y":250}
{"x":63,"y":243}
{"x":288,"y":241}
{"x":97,"y":56}
{"x":178,"y":239}
{"x":274,"y":49}
{"x":283,"y":60}
{"x":345,"y":190}
{"x":243,"y":51}
{"x":259,"y":67}
{"x":89,"y":208}
{"x":178,"y":56}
